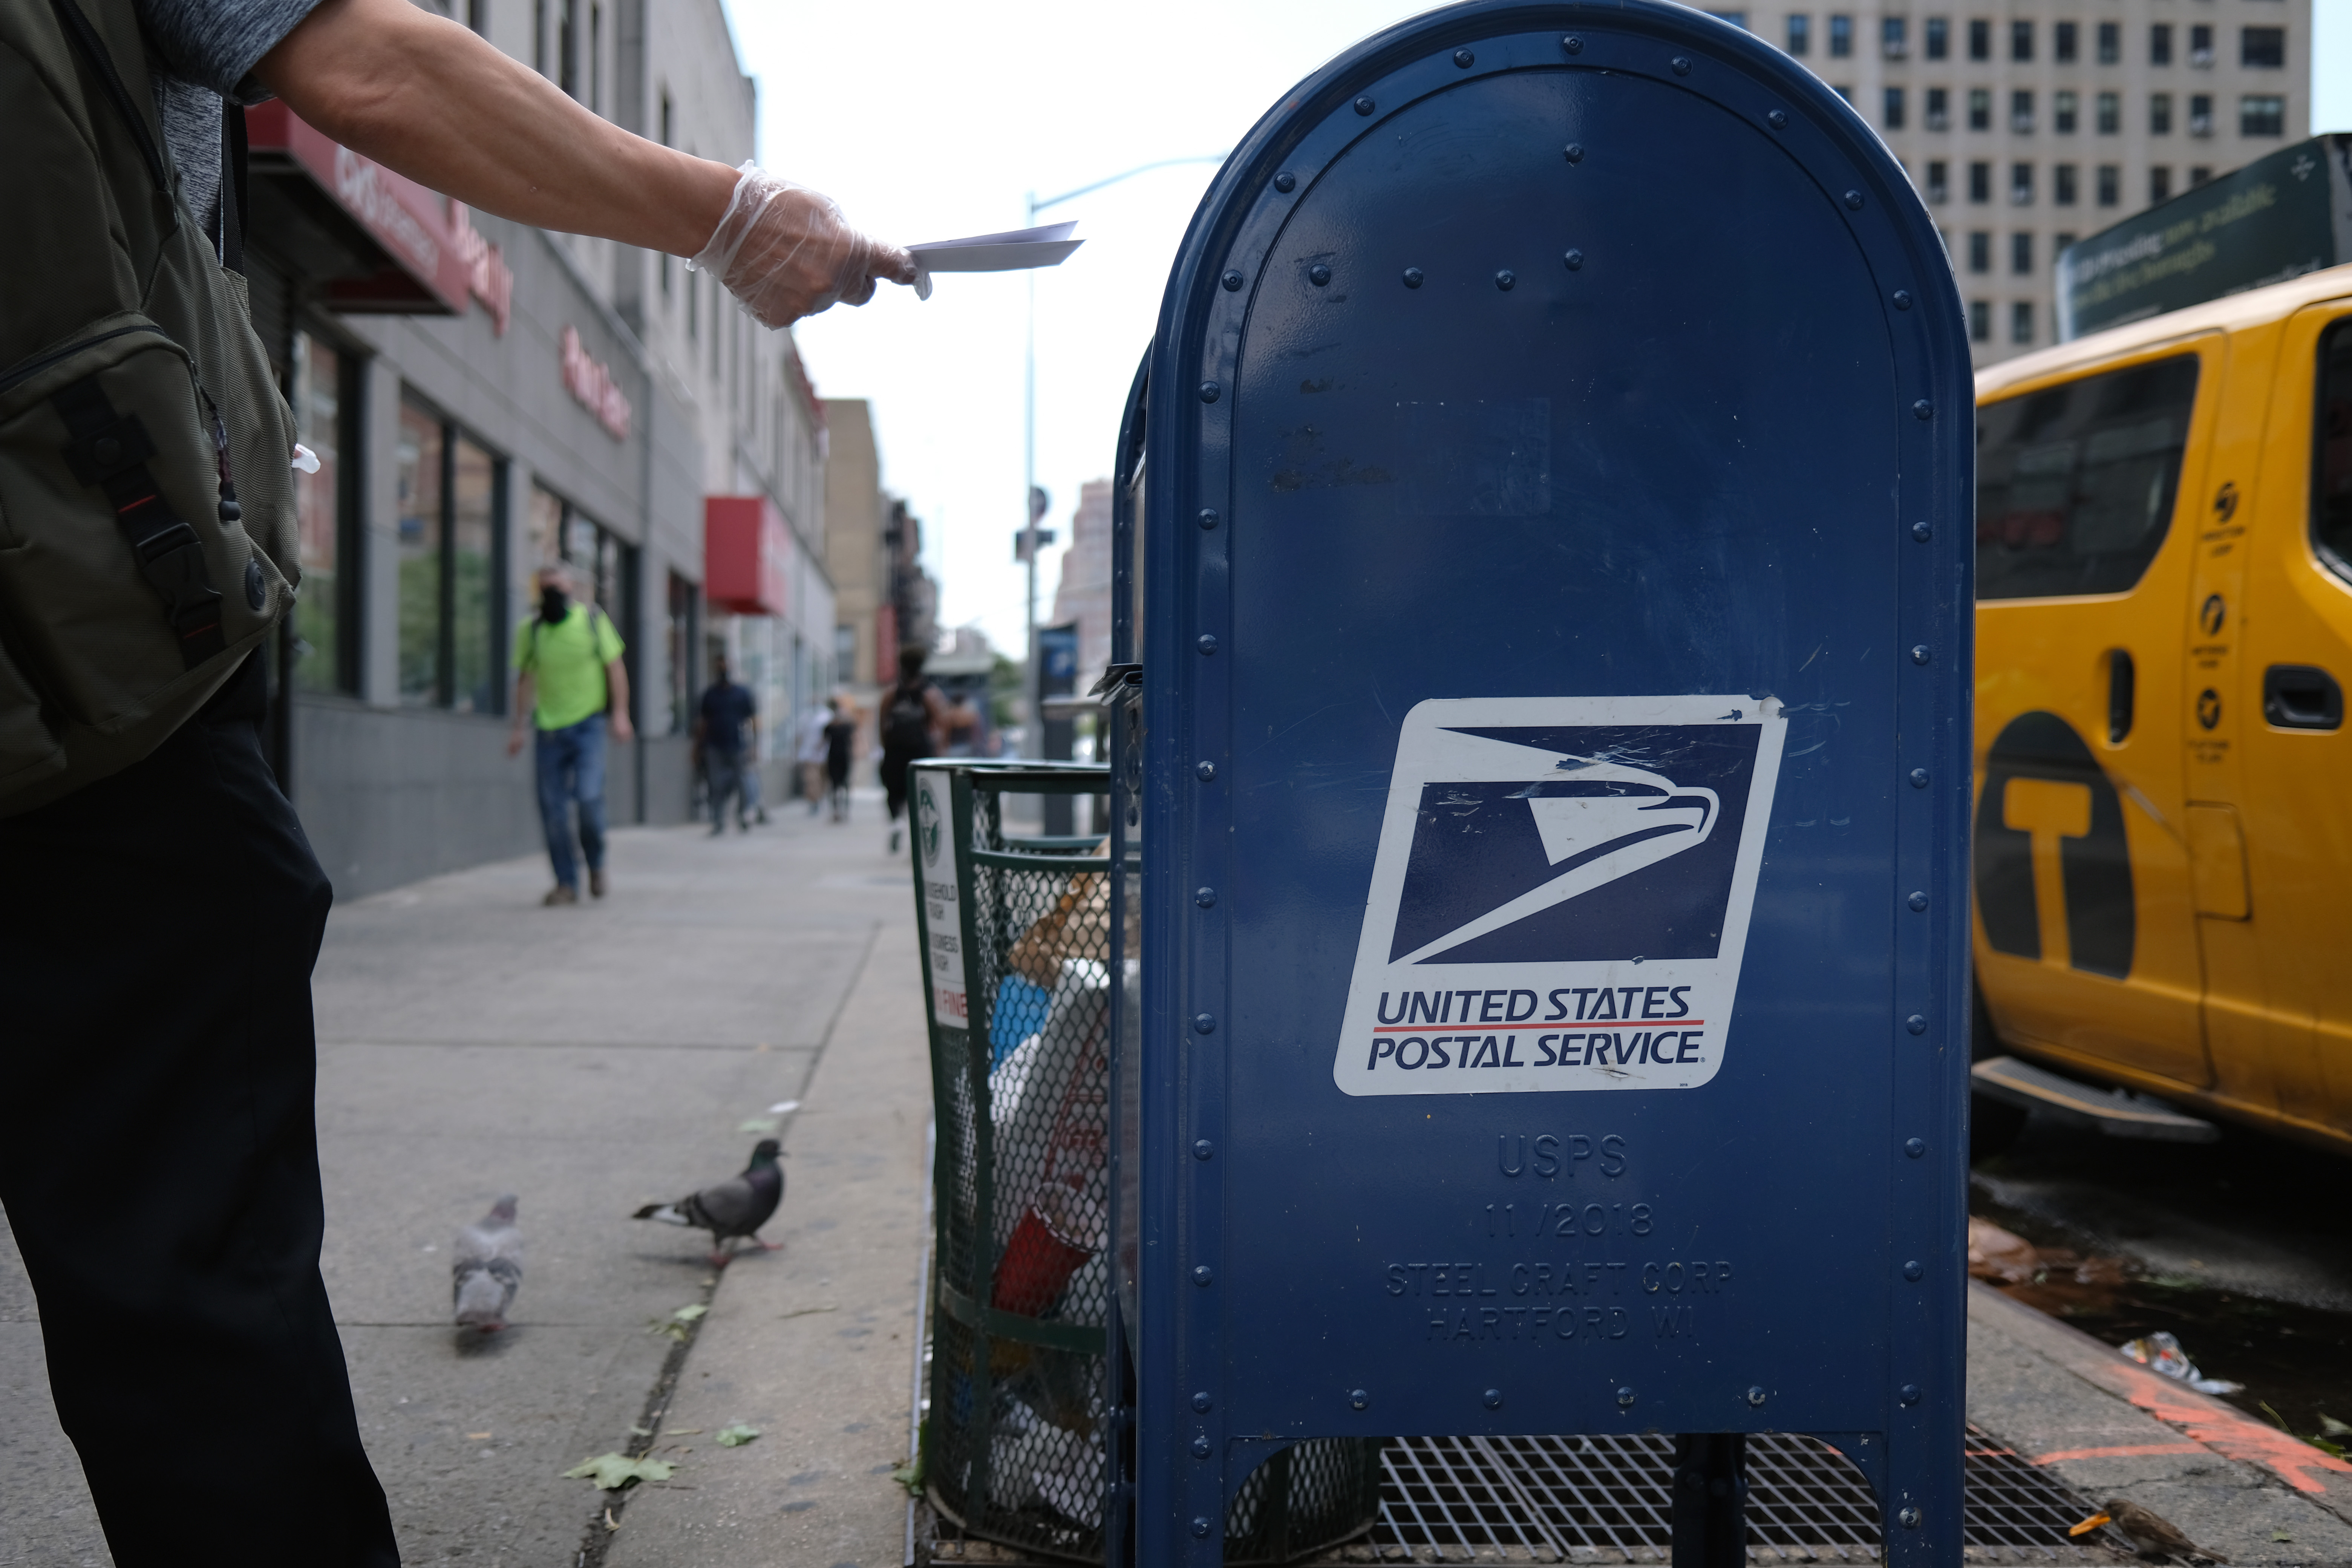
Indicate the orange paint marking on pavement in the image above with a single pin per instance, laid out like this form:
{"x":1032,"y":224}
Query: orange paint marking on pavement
{"x":2235,"y":1437}
{"x":2125,"y":1451}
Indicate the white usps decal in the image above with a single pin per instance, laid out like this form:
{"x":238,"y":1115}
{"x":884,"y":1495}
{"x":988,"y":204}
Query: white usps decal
{"x":1561,"y":894}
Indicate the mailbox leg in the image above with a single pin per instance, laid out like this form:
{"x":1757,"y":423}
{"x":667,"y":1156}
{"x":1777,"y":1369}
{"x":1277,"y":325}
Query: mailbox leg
{"x":1710,"y":1499}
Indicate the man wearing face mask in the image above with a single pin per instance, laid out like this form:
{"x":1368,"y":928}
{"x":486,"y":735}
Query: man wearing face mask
{"x":572,"y":684}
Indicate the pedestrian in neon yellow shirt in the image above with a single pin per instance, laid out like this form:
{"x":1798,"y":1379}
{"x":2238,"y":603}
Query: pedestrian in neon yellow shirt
{"x":568,"y":675}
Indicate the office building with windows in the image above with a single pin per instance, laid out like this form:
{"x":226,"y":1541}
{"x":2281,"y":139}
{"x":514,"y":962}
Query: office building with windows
{"x":485,"y":397}
{"x":2027,"y":126}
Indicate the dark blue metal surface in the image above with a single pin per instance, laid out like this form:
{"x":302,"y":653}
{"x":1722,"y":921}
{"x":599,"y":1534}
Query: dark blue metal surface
{"x":1538,"y":354}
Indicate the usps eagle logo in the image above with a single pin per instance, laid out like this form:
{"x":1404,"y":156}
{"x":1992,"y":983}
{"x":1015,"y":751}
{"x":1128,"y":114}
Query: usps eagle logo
{"x":1561,"y":895}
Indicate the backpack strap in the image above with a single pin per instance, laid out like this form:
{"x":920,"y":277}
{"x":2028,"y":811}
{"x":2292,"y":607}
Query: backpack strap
{"x":109,"y":80}
{"x":110,"y":449}
{"x":233,"y":206}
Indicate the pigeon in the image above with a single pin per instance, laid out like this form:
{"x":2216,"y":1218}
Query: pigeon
{"x":736,"y":1207}
{"x":2153,"y":1536}
{"x":489,"y":1268}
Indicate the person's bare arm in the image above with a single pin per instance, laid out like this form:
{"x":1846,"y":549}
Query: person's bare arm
{"x":525,"y":697}
{"x":425,"y":96}
{"x":617,"y":675}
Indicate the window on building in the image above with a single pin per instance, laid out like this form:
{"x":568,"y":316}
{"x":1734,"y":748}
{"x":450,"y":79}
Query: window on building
{"x":1894,"y":38}
{"x":2021,"y":112}
{"x":567,"y":46}
{"x":1980,"y":321}
{"x":2021,"y":40}
{"x":1979,"y":39}
{"x":477,"y":17}
{"x":2059,"y":243}
{"x":1979,"y":108}
{"x":1940,"y":109}
{"x":595,"y":59}
{"x":1737,"y":18}
{"x":2262,"y":48}
{"x":2159,"y":114}
{"x":2111,"y":113}
{"x":1980,"y":182}
{"x":667,"y":125}
{"x":2075,"y":483}
{"x":2020,"y":185}
{"x":2063,"y":112}
{"x":1939,"y":180}
{"x":2111,"y":185}
{"x":2064,"y":42}
{"x":2020,"y":254}
{"x":1840,"y":35}
{"x":1895,"y":108}
{"x":1980,"y":251}
{"x":326,"y":513}
{"x":538,"y":36}
{"x":2111,"y":43}
{"x":2331,"y":441}
{"x":2062,"y":184}
{"x":2159,"y":44}
{"x":1800,"y":32}
{"x":452,"y":493}
{"x":2262,"y":114}
{"x":2200,"y":174}
{"x":681,"y":636}
{"x":2201,"y":114}
{"x":1844,"y":90}
{"x":1939,"y":38}
{"x":2159,"y":184}
{"x":2020,"y":322}
{"x":2200,"y":46}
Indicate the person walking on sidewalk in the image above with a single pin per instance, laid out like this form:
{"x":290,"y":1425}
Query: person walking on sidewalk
{"x":567,"y":677}
{"x":840,"y":750}
{"x":159,"y":1155}
{"x":726,"y":739}
{"x":809,"y":753}
{"x":914,"y":716}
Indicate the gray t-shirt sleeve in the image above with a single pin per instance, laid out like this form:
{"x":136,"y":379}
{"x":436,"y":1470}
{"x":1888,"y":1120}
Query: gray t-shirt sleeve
{"x":217,"y":43}
{"x":202,"y":51}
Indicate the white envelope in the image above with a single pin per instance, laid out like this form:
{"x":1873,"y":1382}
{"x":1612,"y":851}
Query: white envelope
{"x":1013,"y":251}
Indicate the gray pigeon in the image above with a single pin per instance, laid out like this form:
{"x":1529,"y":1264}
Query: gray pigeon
{"x":487,"y":1268}
{"x":737,"y":1206}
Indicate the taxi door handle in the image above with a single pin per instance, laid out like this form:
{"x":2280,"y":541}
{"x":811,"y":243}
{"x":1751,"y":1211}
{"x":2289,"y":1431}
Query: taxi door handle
{"x":2302,"y":696}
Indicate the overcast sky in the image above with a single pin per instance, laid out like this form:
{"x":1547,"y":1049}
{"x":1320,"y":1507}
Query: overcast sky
{"x":927,"y":120}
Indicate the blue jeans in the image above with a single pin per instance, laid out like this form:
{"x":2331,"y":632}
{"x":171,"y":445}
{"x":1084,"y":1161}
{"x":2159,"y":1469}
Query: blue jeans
{"x":571,"y":766}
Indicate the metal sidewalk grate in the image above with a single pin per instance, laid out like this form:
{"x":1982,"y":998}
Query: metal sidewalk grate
{"x":1607,"y":1499}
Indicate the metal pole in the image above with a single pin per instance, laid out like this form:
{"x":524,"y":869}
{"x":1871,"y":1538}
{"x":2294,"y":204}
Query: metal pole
{"x":1032,"y":726}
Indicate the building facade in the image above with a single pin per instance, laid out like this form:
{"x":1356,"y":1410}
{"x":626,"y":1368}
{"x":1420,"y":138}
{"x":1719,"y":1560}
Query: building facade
{"x":485,"y":397}
{"x":2027,"y":126}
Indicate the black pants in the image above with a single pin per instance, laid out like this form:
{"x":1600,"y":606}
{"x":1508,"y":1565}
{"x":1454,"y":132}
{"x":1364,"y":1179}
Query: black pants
{"x":894,"y":777}
{"x":159,"y":1160}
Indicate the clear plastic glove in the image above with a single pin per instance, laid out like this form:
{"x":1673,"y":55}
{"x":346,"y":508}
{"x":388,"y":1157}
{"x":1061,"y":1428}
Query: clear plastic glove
{"x":784,"y":251}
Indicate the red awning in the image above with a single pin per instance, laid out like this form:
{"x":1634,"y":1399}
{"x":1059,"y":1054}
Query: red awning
{"x":745,"y":551}
{"x":408,"y":259}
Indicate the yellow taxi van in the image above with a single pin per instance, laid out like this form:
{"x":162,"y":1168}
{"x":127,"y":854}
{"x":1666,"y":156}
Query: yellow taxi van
{"x":2163,"y":831}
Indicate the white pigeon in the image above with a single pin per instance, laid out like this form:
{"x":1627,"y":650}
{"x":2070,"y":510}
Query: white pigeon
{"x":489,"y":1268}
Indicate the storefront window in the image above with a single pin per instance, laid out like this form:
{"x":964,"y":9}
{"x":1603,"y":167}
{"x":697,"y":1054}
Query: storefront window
{"x":322,"y":413}
{"x":684,"y":603}
{"x":450,"y":572}
{"x":420,"y":556}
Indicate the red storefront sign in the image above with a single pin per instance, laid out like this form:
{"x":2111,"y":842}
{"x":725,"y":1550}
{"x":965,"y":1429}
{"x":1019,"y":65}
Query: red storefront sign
{"x":745,"y":551}
{"x":590,"y":381}
{"x":426,"y":256}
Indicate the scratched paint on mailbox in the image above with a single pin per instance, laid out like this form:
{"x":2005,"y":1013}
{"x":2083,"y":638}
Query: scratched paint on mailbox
{"x":1560,"y":896}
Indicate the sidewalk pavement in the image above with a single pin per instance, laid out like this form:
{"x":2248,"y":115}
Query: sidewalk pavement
{"x":592,"y":1060}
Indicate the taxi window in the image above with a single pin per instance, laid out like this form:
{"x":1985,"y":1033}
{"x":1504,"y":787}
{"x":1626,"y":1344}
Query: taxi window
{"x":2076,"y":482}
{"x":2331,"y":441}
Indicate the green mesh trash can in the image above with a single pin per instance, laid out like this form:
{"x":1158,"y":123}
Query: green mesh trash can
{"x":1015,"y":935}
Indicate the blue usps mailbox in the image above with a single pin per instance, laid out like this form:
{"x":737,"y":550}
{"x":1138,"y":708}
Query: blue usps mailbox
{"x":1557,"y":657}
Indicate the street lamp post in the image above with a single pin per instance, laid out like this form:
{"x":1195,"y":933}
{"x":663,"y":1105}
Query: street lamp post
{"x":1034,"y":740}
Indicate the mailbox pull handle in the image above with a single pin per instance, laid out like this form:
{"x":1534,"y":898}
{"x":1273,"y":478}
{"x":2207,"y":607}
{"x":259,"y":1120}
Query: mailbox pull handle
{"x":2302,"y":696}
{"x":1115,"y":679}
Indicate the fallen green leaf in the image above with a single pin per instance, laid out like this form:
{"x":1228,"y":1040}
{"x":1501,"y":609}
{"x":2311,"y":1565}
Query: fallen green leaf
{"x":735,"y":1436}
{"x":2331,"y":1427}
{"x":687,"y":1314}
{"x":758,"y":1124}
{"x":612,"y":1472}
{"x":2281,"y":1536}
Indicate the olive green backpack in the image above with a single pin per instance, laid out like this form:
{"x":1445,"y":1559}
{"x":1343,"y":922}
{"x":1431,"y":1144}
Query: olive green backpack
{"x":147,"y":537}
